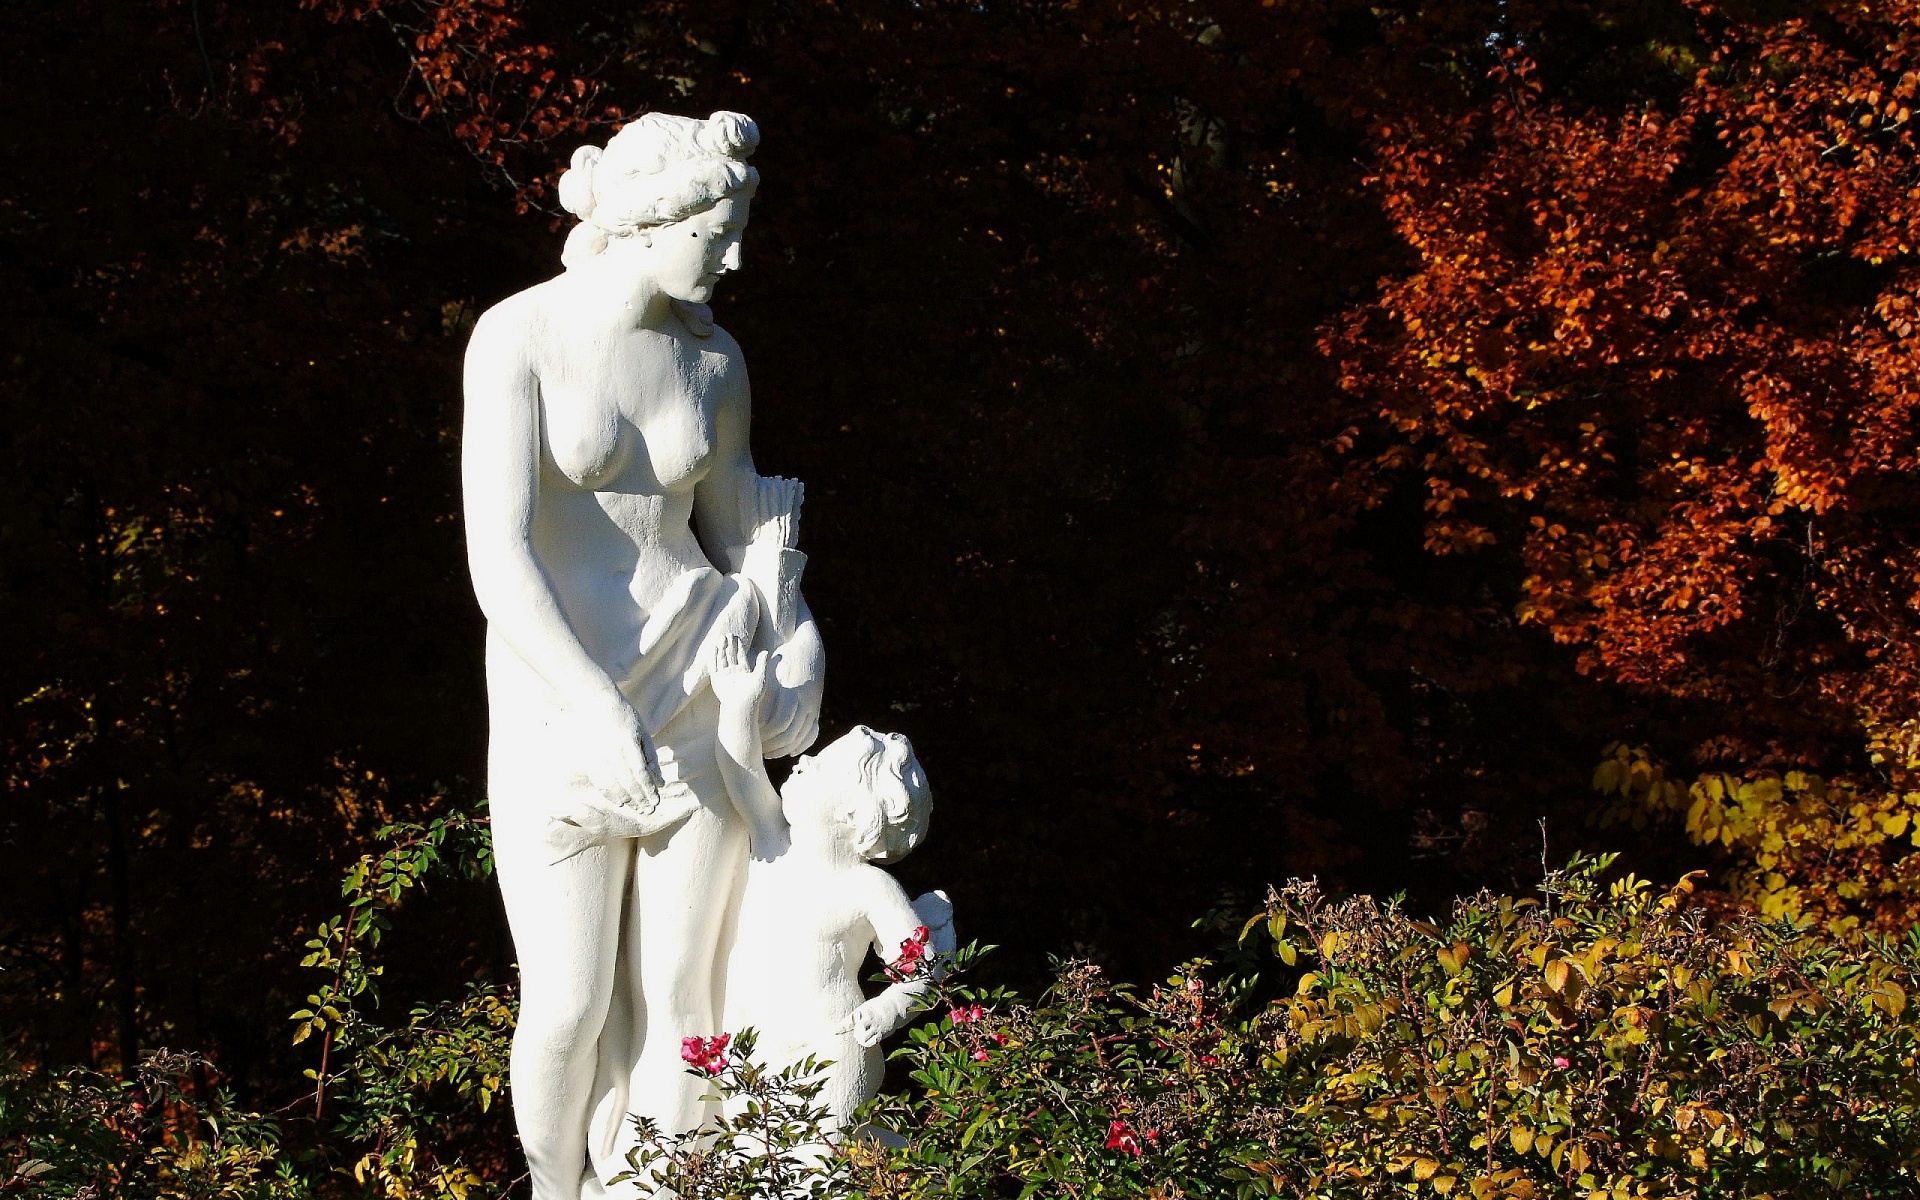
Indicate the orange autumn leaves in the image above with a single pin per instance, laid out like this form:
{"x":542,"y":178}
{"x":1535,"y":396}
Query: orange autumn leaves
{"x":1669,"y":354}
{"x":473,"y":64}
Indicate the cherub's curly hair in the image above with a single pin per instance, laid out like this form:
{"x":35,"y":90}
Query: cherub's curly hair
{"x":655,"y":171}
{"x":888,"y":814}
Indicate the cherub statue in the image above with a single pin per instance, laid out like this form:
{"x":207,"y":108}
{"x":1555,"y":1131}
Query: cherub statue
{"x":814,"y":902}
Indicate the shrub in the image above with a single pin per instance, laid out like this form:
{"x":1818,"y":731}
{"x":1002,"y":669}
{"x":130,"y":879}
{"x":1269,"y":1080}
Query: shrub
{"x":1603,"y":1041}
{"x":77,"y":1135}
{"x":1606,"y":1041}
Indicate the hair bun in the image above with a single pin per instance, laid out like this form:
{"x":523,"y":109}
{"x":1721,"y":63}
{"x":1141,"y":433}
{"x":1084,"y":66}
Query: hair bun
{"x":729,"y":135}
{"x":576,"y":183}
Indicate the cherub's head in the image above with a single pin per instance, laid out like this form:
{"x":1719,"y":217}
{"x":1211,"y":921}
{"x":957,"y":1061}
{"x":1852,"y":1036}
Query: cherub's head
{"x":866,"y":787}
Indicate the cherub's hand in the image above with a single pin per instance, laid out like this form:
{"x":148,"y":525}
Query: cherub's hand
{"x":770,"y":842}
{"x":770,"y":510}
{"x":739,"y":678}
{"x":877,"y":1019}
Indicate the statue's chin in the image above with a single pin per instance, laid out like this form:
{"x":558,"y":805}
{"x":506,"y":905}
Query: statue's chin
{"x":698,"y":294}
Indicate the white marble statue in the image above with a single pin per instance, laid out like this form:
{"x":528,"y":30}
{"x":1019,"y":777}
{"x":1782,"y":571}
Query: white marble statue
{"x":610,"y":501}
{"x":647,"y":644}
{"x":808,"y":917}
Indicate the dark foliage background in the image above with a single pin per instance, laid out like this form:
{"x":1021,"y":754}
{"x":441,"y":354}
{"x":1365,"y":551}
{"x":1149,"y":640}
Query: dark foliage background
{"x":1033,"y":303}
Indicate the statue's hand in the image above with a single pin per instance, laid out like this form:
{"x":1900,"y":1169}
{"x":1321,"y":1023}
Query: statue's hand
{"x":770,"y":841}
{"x":770,"y":510}
{"x":581,"y":825}
{"x":878,"y":1018}
{"x":739,"y":678}
{"x":616,"y":756}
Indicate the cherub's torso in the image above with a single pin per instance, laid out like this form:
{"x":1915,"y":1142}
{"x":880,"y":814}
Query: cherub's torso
{"x":803,"y":934}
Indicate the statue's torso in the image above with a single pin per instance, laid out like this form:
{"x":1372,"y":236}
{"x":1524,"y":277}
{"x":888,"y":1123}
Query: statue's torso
{"x":628,"y":431}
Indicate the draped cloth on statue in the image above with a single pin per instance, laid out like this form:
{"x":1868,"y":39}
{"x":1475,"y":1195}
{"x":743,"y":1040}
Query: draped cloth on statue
{"x":664,"y":674}
{"x":668,"y":687}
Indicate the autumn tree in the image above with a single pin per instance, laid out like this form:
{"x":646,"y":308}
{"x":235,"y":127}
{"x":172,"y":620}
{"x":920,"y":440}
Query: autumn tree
{"x":1662,"y":357}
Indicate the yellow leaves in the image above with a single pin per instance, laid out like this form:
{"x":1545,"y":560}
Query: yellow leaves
{"x":1806,"y":844}
{"x":1557,"y":971}
{"x":1889,"y":997}
{"x":1520,"y":1138}
{"x":1455,"y":957}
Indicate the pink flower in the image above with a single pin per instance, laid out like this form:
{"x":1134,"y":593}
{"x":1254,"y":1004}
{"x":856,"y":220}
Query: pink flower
{"x":1120,"y":1137}
{"x":1153,"y":1136}
{"x":913,"y":954}
{"x":1001,"y":1038}
{"x":979,"y":1056}
{"x":966,"y":1015}
{"x":1562,"y":1061}
{"x":706,"y":1054}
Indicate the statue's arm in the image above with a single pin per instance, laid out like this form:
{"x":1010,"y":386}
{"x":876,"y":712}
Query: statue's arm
{"x":739,"y":684}
{"x":894,"y":920}
{"x":500,"y":461}
{"x":790,"y":720}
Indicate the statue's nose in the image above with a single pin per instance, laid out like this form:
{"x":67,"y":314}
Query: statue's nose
{"x":730,"y":261}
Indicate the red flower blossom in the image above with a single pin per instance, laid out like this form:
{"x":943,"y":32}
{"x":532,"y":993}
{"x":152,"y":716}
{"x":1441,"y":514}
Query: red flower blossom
{"x":706,"y":1054}
{"x":913,"y":955}
{"x":979,"y":1056}
{"x":966,"y":1015}
{"x":1120,"y":1137}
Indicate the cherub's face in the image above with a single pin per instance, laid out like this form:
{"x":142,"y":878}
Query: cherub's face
{"x":807,"y":795}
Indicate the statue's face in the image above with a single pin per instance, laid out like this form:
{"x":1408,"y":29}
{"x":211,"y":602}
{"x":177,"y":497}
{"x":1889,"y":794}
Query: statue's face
{"x":689,"y":257}
{"x":816,"y":778}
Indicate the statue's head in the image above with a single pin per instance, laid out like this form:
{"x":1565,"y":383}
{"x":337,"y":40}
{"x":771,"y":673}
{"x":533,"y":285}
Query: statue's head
{"x":867,"y":787}
{"x":668,"y":196}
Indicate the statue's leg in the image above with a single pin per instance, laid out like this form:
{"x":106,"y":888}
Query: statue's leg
{"x":565,"y":919}
{"x":684,"y":882}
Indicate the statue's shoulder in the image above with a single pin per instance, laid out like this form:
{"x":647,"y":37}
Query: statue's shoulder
{"x":517,"y":318}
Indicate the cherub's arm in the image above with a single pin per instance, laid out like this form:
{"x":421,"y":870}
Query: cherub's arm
{"x":896,"y":923}
{"x":739,"y":686}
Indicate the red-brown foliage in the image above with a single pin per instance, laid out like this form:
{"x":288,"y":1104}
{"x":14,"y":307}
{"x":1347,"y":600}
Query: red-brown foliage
{"x":1668,"y":356}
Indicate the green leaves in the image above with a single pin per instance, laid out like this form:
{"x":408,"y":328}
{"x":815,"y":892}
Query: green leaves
{"x":1624,"y":1043}
{"x":767,"y":1141}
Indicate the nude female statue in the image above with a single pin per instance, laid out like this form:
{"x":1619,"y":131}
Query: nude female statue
{"x":609,"y":494}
